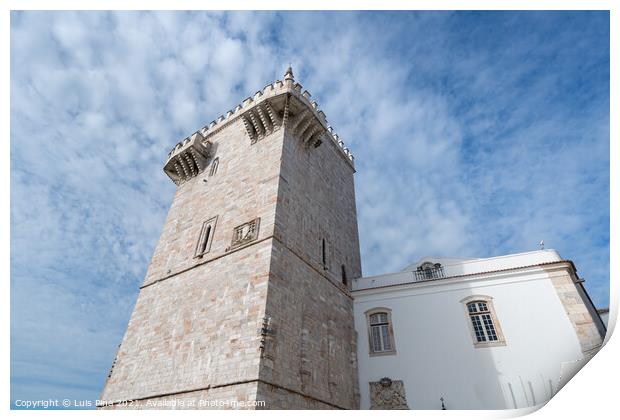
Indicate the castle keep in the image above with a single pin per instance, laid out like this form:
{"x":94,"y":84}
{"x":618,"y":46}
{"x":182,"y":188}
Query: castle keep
{"x":247,"y":296}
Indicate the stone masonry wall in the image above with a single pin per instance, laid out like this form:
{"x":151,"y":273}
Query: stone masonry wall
{"x":310,"y":361}
{"x":195,"y":330}
{"x":196,"y":319}
{"x":280,"y":398}
{"x":244,"y":187}
{"x":316,"y":200}
{"x":238,"y":396}
{"x":576,"y":309}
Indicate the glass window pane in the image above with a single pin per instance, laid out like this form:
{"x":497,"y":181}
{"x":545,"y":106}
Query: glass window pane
{"x":475,"y":320}
{"x":490,"y":329}
{"x":376,"y":339}
{"x":386,"y":338}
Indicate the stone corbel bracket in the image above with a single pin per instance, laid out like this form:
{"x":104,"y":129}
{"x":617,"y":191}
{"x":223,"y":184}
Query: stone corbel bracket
{"x":261,"y":120}
{"x":307,"y":125}
{"x":188,"y":158}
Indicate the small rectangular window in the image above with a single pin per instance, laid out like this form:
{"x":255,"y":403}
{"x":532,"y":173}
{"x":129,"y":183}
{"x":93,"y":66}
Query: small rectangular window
{"x":205,"y":238}
{"x":345,"y":281}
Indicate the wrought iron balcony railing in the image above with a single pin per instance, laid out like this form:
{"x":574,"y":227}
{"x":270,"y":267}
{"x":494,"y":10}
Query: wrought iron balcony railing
{"x":423,"y":273}
{"x":428,"y":273}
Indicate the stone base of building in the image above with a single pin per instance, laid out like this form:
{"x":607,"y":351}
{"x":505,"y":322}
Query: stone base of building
{"x":240,"y":396}
{"x":279,"y":398}
{"x":252,"y":395}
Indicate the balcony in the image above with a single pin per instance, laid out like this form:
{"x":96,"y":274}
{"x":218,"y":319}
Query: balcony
{"x":425,"y":272}
{"x":428,"y":272}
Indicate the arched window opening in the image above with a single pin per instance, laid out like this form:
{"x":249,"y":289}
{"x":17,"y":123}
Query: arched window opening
{"x":380,"y":332}
{"x":214,"y":165}
{"x":483,"y":321}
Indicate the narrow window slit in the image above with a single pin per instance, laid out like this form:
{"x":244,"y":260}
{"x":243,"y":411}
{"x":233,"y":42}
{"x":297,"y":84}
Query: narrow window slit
{"x":205,"y":238}
{"x":214,"y":166}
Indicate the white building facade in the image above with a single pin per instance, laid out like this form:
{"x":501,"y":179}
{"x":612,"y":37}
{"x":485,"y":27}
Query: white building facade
{"x":495,"y":333}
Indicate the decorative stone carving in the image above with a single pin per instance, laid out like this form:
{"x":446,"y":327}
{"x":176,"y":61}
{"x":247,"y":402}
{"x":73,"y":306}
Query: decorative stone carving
{"x":245,"y":233}
{"x":387,"y":394}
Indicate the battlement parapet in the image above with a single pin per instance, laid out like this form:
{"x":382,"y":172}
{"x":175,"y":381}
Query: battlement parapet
{"x":277,"y":104}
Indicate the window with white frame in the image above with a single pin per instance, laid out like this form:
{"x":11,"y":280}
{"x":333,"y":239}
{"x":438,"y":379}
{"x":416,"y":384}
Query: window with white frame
{"x":380,"y":332}
{"x":483,"y":321}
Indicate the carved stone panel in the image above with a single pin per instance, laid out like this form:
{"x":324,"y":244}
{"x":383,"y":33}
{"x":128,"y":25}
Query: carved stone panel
{"x":387,"y":394}
{"x":245,"y":233}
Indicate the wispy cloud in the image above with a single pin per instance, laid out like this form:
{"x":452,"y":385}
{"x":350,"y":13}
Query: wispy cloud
{"x":475,"y":134}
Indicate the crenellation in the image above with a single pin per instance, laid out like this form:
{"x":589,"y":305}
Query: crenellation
{"x":261,"y":102}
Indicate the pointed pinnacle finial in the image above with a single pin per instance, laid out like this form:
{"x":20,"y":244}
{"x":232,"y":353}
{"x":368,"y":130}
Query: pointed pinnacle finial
{"x":289,"y":73}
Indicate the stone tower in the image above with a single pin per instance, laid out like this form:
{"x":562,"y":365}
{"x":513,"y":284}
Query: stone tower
{"x":247,"y":295}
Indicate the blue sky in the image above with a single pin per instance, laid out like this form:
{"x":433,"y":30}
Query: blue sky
{"x":475,"y":134}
